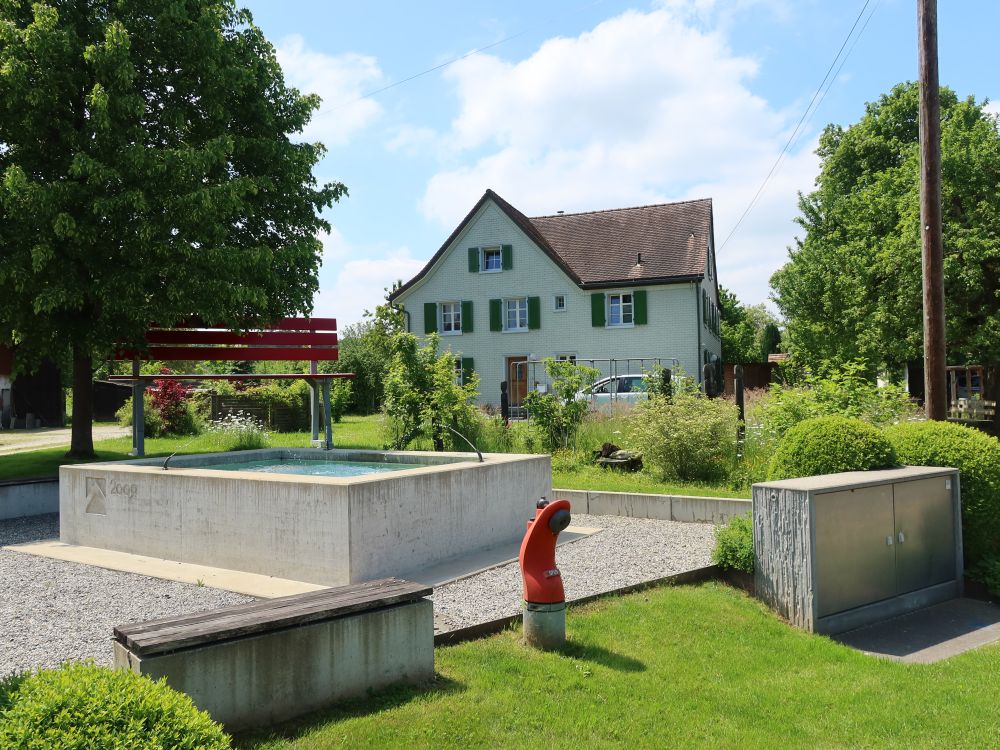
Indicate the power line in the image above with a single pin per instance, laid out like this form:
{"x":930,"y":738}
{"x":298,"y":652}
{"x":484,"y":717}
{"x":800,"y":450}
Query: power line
{"x":370,"y":94}
{"x":850,"y":49}
{"x":798,"y":126}
{"x":394,"y":84}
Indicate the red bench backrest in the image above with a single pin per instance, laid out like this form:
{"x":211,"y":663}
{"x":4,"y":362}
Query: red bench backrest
{"x":313,"y":339}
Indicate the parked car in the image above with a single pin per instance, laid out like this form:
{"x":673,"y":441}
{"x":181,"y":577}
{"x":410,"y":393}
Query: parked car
{"x":616,"y":389}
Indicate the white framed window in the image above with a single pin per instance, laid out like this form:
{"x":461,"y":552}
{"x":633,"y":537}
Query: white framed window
{"x":451,"y":318}
{"x":619,"y":310}
{"x":459,"y":372}
{"x":559,"y":302}
{"x":515,"y":314}
{"x":491,"y":260}
{"x":566,"y":358}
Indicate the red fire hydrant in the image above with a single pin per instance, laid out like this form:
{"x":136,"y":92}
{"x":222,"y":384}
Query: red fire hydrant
{"x":544,"y":598}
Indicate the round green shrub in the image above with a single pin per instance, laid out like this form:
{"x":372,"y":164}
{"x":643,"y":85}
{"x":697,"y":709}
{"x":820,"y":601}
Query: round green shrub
{"x":734,"y":545}
{"x":977,"y":457}
{"x":827,"y":445}
{"x":82,"y":706}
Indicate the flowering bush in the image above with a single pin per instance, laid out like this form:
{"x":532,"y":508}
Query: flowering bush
{"x":170,"y":399}
{"x":685,"y":435}
{"x":239,"y":431}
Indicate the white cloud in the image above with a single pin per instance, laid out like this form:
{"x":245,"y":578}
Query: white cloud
{"x":339,"y":80}
{"x":646,"y":107}
{"x":335,"y":247}
{"x":722,"y":12}
{"x":993,"y":108}
{"x":360,"y":284}
{"x":412,"y":140}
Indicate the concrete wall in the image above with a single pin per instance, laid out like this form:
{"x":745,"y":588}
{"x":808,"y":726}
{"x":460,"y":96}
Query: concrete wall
{"x":674,"y":329}
{"x":262,"y":680}
{"x":686,"y":508}
{"x":31,"y":498}
{"x":324,"y":530}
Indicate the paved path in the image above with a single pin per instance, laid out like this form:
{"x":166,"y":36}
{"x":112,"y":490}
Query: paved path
{"x":19,"y":441}
{"x":931,"y":634}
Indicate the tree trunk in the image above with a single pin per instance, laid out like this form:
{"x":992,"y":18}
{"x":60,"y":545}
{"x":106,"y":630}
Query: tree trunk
{"x":82,"y":440}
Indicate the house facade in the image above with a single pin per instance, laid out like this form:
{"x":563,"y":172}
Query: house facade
{"x":620,"y":289}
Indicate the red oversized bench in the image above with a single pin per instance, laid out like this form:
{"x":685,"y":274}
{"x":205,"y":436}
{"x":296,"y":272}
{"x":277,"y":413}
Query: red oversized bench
{"x":309,"y":339}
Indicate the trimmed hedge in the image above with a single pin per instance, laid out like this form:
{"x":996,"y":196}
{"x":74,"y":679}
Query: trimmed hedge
{"x":81,"y":706}
{"x":977,"y":457}
{"x":827,"y":445}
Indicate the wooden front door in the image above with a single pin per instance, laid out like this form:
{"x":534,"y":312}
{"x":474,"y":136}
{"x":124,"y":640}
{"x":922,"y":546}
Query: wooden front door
{"x":517,"y":379}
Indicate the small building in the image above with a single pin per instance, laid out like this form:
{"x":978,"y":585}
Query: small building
{"x":33,"y":399}
{"x":627,"y":287}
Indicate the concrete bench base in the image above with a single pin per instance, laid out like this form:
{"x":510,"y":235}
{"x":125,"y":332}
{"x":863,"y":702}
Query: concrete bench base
{"x":262,"y":680}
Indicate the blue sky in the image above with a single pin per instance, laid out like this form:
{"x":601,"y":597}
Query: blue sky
{"x":587,"y":105}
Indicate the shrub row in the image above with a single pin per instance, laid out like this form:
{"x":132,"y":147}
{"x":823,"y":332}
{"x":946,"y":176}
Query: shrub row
{"x":826,"y":445}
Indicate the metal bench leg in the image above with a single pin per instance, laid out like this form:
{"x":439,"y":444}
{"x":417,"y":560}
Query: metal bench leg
{"x":314,"y":410}
{"x":327,"y":414}
{"x":138,"y":419}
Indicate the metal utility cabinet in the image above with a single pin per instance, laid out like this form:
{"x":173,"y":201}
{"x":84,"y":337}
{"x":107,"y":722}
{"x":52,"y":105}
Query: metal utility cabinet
{"x":839,"y":551}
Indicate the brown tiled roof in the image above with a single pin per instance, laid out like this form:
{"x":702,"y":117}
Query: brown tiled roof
{"x":602,"y":248}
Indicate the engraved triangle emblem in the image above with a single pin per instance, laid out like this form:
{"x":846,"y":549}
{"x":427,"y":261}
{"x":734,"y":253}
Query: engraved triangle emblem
{"x":97,"y":503}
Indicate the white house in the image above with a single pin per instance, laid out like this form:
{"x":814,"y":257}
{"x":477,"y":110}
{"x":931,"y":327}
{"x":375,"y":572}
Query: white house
{"x":622,"y":288}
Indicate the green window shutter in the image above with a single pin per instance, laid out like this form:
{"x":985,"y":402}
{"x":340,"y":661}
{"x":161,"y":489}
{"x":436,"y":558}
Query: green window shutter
{"x":473,"y":260}
{"x":534,"y":313}
{"x":496,"y":315}
{"x":430,"y":317}
{"x":597,"y":319}
{"x":507,"y":257}
{"x":467,"y":317}
{"x":639,"y":307}
{"x":467,"y":369}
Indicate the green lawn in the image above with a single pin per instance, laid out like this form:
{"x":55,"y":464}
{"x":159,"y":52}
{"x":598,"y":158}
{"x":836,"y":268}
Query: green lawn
{"x":609,"y":480}
{"x":352,"y":432}
{"x":681,"y":667}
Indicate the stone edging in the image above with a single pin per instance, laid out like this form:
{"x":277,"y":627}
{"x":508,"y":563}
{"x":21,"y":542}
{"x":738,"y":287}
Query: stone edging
{"x":684,"y":508}
{"x":28,"y":497}
{"x":483,"y":629}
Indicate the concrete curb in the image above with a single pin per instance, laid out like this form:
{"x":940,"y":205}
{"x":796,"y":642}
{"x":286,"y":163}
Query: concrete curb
{"x":683,"y":508}
{"x":28,"y":497}
{"x":484,"y":629}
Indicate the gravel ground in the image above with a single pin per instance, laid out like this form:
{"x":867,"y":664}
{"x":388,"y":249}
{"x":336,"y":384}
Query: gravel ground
{"x":53,"y":611}
{"x":626,"y":551}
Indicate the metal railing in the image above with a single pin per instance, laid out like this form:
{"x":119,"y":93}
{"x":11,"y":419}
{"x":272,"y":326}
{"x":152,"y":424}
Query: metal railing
{"x":526,"y":376}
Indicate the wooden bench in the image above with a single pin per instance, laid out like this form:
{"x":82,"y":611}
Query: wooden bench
{"x":258,"y":664}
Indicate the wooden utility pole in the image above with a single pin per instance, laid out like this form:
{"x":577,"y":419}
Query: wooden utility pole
{"x":932,"y":252}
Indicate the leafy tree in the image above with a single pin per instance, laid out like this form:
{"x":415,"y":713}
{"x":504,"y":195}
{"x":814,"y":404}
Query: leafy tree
{"x":146,"y":174}
{"x":366,"y":349}
{"x":559,"y":413}
{"x":770,"y":340}
{"x":852,"y":286}
{"x":749,"y":332}
{"x":422,"y":394}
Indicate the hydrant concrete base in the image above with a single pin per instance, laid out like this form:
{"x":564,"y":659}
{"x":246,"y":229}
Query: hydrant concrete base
{"x":545,"y":625}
